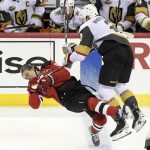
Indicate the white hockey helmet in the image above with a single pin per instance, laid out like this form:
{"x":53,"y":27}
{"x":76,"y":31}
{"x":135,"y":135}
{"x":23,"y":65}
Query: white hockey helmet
{"x":68,"y":3}
{"x":88,"y":11}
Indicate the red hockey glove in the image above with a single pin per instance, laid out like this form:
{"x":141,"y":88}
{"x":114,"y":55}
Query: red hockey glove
{"x":45,"y":82}
{"x":32,"y":86}
{"x":34,"y":100}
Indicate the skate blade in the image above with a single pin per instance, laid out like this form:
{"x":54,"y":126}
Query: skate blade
{"x":139,"y":127}
{"x":121,"y":135}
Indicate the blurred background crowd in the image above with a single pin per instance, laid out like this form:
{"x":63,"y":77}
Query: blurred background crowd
{"x":48,"y":15}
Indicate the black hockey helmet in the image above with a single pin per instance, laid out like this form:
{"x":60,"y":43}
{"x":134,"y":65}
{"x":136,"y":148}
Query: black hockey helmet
{"x":28,"y":67}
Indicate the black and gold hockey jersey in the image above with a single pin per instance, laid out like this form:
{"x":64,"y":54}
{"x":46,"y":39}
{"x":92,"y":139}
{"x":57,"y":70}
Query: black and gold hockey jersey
{"x":95,"y":31}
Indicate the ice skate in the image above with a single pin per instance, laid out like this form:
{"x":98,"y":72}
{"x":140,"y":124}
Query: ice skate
{"x":121,"y":130}
{"x":126,"y":112}
{"x":94,"y":137}
{"x":138,"y":120}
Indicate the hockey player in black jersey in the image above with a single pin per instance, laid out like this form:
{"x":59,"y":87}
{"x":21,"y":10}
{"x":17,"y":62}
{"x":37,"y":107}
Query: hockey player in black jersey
{"x":118,"y":58}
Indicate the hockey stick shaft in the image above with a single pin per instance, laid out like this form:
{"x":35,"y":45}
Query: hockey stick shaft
{"x":62,"y":67}
{"x":15,"y":27}
{"x":66,"y":21}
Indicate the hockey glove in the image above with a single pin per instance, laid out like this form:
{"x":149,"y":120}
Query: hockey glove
{"x":32,"y":86}
{"x":35,"y":100}
{"x":66,"y":60}
{"x":68,"y":48}
{"x":146,"y":23}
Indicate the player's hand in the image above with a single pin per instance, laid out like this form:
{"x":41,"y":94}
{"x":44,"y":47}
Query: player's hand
{"x":120,"y":27}
{"x":45,"y":82}
{"x":146,"y":23}
{"x":68,"y":48}
{"x":32,"y":86}
{"x":66,"y":60}
{"x":35,"y":100}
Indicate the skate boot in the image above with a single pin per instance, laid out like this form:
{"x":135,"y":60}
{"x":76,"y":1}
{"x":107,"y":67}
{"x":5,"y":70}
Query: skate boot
{"x":138,"y":119}
{"x":126,"y":112}
{"x":122,"y":128}
{"x":94,"y":137}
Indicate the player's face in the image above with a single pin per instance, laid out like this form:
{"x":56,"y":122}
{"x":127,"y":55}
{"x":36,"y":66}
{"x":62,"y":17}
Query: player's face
{"x":29,"y":74}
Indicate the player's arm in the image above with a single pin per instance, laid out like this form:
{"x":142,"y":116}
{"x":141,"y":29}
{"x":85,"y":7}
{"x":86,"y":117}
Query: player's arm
{"x":55,"y":17}
{"x":35,"y":99}
{"x":83,"y":49}
{"x":129,"y":19}
{"x":5,"y":21}
{"x":39,"y":10}
{"x":141,"y":15}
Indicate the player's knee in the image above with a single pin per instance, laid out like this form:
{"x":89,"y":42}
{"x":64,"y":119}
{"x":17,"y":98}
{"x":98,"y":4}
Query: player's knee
{"x":99,"y":119}
{"x":92,"y":103}
{"x":105,"y":93}
{"x":121,"y":88}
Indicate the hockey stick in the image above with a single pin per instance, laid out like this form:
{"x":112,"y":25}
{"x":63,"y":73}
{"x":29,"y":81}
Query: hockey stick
{"x":66,"y":13}
{"x":129,"y":35}
{"x":117,"y":17}
{"x":16,"y":27}
{"x":62,"y":67}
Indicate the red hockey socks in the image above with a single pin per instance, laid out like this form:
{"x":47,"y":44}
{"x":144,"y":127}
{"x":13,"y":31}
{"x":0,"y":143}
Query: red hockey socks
{"x":99,"y":120}
{"x":96,"y":105}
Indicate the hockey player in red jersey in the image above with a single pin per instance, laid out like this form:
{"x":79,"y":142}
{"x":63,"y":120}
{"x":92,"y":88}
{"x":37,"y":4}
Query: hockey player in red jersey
{"x":51,"y":81}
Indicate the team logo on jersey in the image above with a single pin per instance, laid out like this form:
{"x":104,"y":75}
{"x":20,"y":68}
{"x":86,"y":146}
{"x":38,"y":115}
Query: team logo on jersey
{"x":21,"y":17}
{"x":11,"y":8}
{"x":115,"y":14}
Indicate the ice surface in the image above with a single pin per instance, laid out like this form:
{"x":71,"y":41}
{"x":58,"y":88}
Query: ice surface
{"x":55,"y":128}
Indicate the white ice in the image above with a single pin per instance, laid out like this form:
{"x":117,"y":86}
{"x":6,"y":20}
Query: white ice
{"x":55,"y":128}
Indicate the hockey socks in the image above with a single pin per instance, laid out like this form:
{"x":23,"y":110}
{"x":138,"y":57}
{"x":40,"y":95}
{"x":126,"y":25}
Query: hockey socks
{"x":114,"y":102}
{"x":96,"y":105}
{"x":129,"y":99}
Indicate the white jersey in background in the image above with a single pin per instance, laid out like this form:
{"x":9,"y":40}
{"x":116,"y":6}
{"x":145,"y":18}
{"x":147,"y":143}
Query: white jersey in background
{"x":5,"y":19}
{"x":57,"y":17}
{"x":110,"y":11}
{"x":142,"y":16}
{"x":26,"y":12}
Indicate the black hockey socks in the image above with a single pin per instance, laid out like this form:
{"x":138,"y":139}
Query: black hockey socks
{"x":129,"y":99}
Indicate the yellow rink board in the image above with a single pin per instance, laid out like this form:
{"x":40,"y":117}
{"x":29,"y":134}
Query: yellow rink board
{"x":22,"y":100}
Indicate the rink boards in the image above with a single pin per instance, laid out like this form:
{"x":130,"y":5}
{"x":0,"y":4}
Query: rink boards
{"x":16,"y":51}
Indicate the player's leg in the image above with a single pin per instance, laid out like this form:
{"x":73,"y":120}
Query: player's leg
{"x":108,"y":78}
{"x":122,"y":128}
{"x":130,"y":100}
{"x":126,"y":95}
{"x":99,"y":121}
